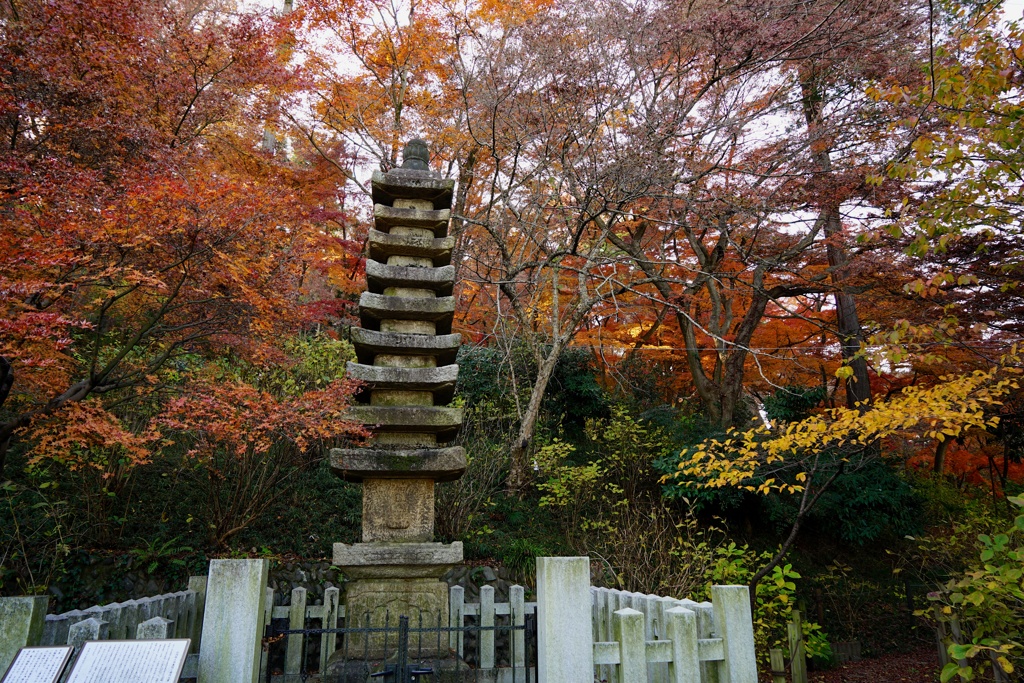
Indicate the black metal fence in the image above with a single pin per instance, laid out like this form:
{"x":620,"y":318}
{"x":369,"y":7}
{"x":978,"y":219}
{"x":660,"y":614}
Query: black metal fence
{"x":402,"y":652}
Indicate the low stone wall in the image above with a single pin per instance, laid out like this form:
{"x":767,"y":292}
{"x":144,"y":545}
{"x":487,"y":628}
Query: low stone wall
{"x":315,"y":576}
{"x":120,"y":620}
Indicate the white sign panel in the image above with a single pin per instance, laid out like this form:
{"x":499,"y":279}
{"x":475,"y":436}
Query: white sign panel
{"x":38,"y":664}
{"x":130,"y":661}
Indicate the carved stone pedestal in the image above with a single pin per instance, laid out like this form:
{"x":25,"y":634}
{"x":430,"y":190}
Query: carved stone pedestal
{"x":390,"y":580}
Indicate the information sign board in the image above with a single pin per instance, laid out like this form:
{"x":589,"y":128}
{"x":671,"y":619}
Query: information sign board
{"x":130,"y":661}
{"x":38,"y":665}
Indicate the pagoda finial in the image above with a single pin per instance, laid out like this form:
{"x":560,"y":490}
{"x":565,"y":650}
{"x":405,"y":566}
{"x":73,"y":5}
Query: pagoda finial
{"x":416,"y":155}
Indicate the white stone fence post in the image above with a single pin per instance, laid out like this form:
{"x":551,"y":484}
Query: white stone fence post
{"x":565,"y":638}
{"x":233,"y":621}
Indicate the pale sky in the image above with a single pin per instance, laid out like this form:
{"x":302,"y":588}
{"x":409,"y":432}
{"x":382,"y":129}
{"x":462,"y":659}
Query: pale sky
{"x":1013,"y":9}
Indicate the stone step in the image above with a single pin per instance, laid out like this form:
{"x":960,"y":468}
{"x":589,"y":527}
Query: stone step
{"x":444,"y":422}
{"x":440,"y":381}
{"x":401,"y":183}
{"x":379,"y":276}
{"x":376,"y":307}
{"x":383,"y":245}
{"x":369,"y":343}
{"x":439,"y":464}
{"x":387,"y":217}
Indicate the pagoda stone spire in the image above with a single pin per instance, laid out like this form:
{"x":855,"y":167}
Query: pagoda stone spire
{"x":406,"y":357}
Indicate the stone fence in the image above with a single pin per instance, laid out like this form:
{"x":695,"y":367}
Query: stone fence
{"x":329,"y":614}
{"x":587,"y":634}
{"x":583,"y":633}
{"x":180,"y":613}
{"x":651,"y":638}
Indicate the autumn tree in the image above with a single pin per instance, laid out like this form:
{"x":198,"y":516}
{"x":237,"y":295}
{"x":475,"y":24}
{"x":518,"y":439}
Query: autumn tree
{"x":752,"y":228}
{"x":958,"y":223}
{"x":805,"y":458}
{"x":962,"y":217}
{"x":142,"y":224}
{"x":963,"y":392}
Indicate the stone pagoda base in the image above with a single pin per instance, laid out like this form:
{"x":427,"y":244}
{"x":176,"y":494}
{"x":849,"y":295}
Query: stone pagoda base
{"x":388,"y":580}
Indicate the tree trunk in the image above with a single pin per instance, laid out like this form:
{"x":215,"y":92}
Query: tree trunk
{"x":851,"y":336}
{"x":519,"y":466}
{"x":940,"y":456}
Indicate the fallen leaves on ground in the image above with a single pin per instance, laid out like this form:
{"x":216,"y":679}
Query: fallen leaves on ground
{"x":918,"y":666}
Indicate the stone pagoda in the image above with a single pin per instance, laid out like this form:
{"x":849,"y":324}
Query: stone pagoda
{"x":406,"y":357}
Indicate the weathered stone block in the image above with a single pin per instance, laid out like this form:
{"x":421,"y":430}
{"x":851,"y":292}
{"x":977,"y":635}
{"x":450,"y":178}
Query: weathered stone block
{"x":439,"y":280}
{"x":404,"y":440}
{"x":444,"y":422}
{"x":408,"y":327}
{"x":401,"y":183}
{"x":433,"y":379}
{"x":87,"y":630}
{"x":411,"y":232}
{"x":157,"y":628}
{"x":735,"y":626}
{"x":565,"y":643}
{"x":21,"y":625}
{"x":387,"y":360}
{"x":419,"y":204}
{"x":398,"y":397}
{"x":379,"y":603}
{"x":410,"y":261}
{"x":235,"y":600}
{"x":398,"y":510}
{"x":397,"y":560}
{"x":409,"y":293}
{"x":376,"y":307}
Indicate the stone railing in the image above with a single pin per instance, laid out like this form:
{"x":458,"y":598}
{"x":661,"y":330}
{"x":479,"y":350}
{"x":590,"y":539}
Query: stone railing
{"x":587,"y":634}
{"x":172,"y":615}
{"x":486,"y":611}
{"x":640,"y":638}
{"x":581,"y":631}
{"x":330,"y":614}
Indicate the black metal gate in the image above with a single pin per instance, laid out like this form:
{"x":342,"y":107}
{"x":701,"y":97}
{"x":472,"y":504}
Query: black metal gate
{"x":399,"y":652}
